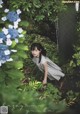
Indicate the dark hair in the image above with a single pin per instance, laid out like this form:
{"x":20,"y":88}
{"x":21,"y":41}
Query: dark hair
{"x":39,"y":47}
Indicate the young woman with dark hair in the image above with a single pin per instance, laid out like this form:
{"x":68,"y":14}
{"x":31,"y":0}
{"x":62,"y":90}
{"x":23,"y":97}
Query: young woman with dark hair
{"x":50,"y":69}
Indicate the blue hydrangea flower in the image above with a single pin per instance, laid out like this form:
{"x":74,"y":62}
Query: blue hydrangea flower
{"x":9,"y":34}
{"x":12,"y":16}
{"x":2,"y":35}
{"x":3,"y":57}
{"x":3,"y":47}
{"x":14,"y":33}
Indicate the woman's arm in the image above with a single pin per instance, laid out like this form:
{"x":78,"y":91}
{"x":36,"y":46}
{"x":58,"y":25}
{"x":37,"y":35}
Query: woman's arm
{"x":45,"y":72}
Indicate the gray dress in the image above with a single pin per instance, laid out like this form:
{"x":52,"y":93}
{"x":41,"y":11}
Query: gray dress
{"x":54,"y":71}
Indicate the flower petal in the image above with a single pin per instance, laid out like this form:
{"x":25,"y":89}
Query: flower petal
{"x":5,"y":31}
{"x":14,"y":50}
{"x":6,"y":52}
{"x":10,"y":59}
{"x":10,"y":26}
{"x":3,"y":18}
{"x":18,"y":11}
{"x":8,"y":42}
{"x":8,"y":36}
{"x":6,"y":10}
{"x":20,"y":30}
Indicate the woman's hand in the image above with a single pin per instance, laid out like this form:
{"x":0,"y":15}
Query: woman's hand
{"x":44,"y":82}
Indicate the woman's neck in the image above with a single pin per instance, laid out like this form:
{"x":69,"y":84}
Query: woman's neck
{"x":38,"y":56}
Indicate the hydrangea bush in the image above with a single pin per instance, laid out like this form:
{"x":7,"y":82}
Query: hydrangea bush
{"x":9,"y":33}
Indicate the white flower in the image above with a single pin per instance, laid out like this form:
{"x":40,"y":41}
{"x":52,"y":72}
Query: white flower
{"x":10,"y":59}
{"x":8,"y":36}
{"x":21,"y":35}
{"x":0,"y":63}
{"x":15,"y":26}
{"x":14,"y":50}
{"x":6,"y":52}
{"x":18,"y":20}
{"x":0,"y":6}
{"x":6,"y":10}
{"x":5,"y":31}
{"x":1,"y":40}
{"x":16,"y":40}
{"x":8,"y":42}
{"x":1,"y":2}
{"x":18,"y":11}
{"x":15,"y":23}
{"x":20,"y":30}
{"x":3,"y":61}
{"x":4,"y":18}
{"x":10,"y":26}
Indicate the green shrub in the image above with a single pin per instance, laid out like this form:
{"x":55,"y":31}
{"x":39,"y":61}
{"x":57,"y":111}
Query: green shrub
{"x":27,"y":98}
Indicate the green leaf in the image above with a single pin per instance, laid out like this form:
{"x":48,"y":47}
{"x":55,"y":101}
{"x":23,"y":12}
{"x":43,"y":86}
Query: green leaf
{"x":15,"y":73}
{"x":24,"y":23}
{"x":71,"y":63}
{"x":18,"y":64}
{"x":39,"y":17}
{"x":22,"y":47}
{"x":37,"y":3}
{"x":22,"y":54}
{"x":21,"y":40}
{"x":2,"y":75}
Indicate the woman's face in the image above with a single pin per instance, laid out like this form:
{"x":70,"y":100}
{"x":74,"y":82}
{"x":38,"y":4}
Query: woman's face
{"x":35,"y":52}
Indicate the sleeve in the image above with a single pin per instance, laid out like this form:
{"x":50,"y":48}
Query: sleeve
{"x":43,"y":59}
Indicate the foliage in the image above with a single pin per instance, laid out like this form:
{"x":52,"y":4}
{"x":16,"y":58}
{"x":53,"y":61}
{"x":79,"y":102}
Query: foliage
{"x":72,"y":69}
{"x":72,"y":97}
{"x":28,"y":98}
{"x":75,"y":62}
{"x":76,"y":57}
{"x":24,"y":98}
{"x":31,"y":96}
{"x":11,"y":71}
{"x":38,"y":16}
{"x":38,"y":10}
